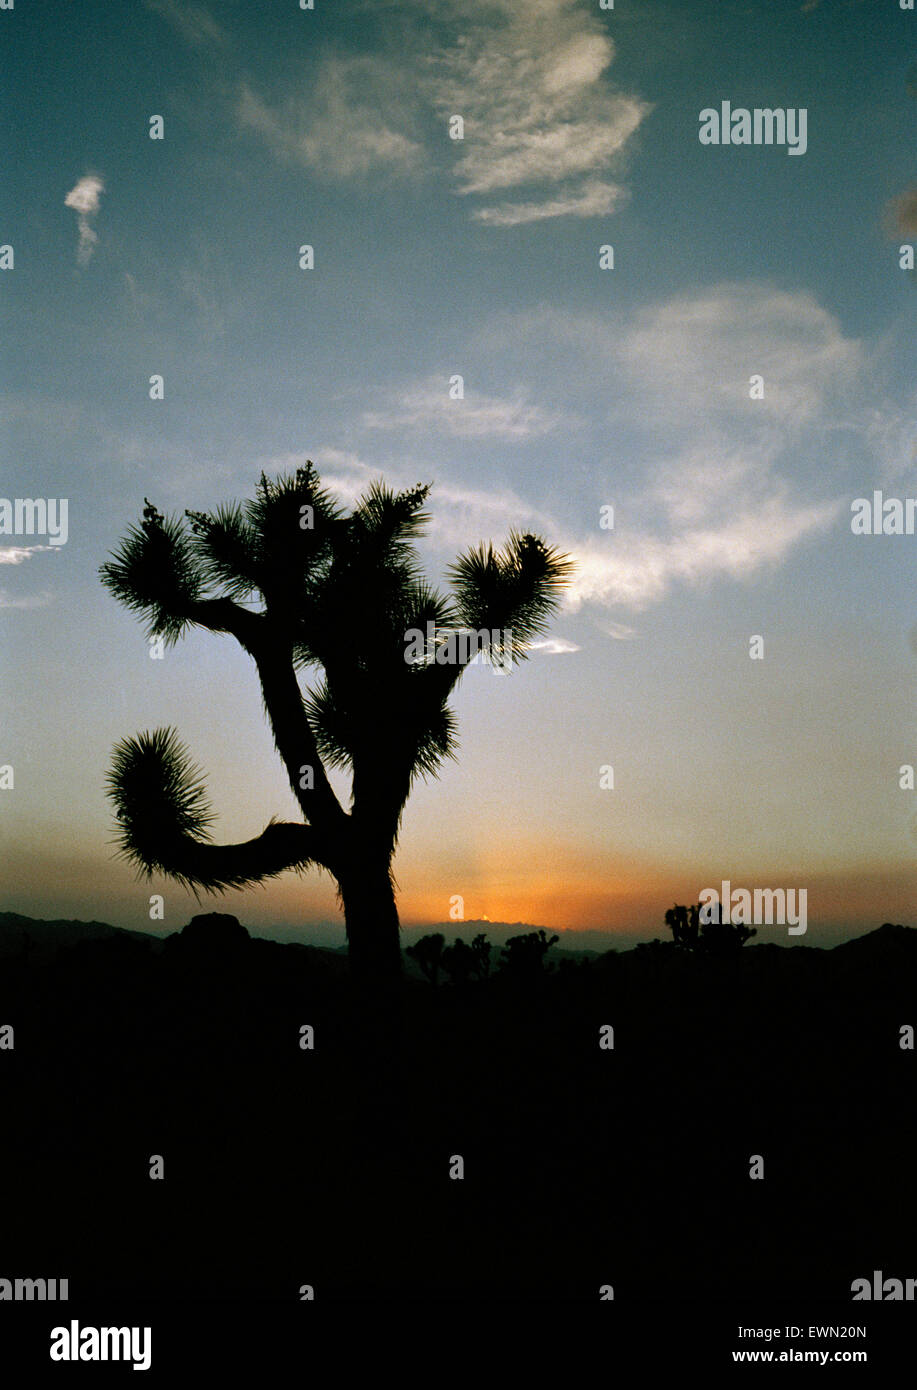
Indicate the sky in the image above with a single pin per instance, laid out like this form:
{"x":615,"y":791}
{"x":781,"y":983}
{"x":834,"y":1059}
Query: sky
{"x":585,"y":388}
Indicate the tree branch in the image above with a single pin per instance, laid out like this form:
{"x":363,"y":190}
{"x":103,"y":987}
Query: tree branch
{"x":214,"y":868}
{"x":225,"y":615}
{"x":164,"y":822}
{"x":295,"y":740}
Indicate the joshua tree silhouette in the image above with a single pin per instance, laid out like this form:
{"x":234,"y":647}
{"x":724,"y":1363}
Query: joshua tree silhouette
{"x":710,"y":938}
{"x":301,"y":585}
{"x":428,"y":953}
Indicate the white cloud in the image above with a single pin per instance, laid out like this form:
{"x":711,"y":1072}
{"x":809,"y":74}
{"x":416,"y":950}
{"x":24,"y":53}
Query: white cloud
{"x":553,"y":646}
{"x":685,"y":362}
{"x":529,"y":79}
{"x":537,"y":107}
{"x":15,"y":554}
{"x":621,"y":632}
{"x":698,"y":351}
{"x":735,"y":486}
{"x":639,"y":569}
{"x":891,"y":435}
{"x":429,"y":406}
{"x":743,"y":532}
{"x":705,"y":480}
{"x":626,"y":567}
{"x":717,"y":503}
{"x":84,"y":197}
{"x":594,"y":199}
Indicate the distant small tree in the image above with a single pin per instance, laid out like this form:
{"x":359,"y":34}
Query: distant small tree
{"x":480,"y":949}
{"x":428,"y":954}
{"x":458,"y":962}
{"x":462,"y":962}
{"x":524,"y":956}
{"x":719,"y":937}
{"x":706,"y":938}
{"x":683,"y":924}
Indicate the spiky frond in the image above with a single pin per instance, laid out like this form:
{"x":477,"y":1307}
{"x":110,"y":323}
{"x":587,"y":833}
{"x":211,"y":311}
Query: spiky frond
{"x":515,"y":590}
{"x":372,"y":588}
{"x":271,"y":545}
{"x":155,"y":572}
{"x":159,"y":797}
{"x":226,"y":548}
{"x":164,"y":822}
{"x":384,"y":524}
{"x":294,"y":521}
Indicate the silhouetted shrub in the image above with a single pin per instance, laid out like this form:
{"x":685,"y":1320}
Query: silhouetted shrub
{"x":462,"y":962}
{"x":524,"y":956}
{"x":707,"y":938}
{"x":428,"y":954}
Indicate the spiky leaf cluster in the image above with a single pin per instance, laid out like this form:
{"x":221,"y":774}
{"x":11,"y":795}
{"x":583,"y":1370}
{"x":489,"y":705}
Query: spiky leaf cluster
{"x":159,"y":798}
{"x":155,"y":572}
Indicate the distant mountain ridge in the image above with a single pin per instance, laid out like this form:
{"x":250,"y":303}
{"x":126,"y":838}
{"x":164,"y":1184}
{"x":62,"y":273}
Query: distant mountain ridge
{"x":19,"y":933}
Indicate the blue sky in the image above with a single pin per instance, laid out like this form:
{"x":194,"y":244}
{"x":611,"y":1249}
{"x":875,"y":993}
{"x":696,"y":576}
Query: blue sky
{"x":583,"y":388}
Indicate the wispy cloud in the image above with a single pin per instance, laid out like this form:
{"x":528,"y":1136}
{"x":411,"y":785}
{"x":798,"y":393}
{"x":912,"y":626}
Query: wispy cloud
{"x":553,"y":646}
{"x":350,"y":121}
{"x":538,"y":110}
{"x":733,"y":486}
{"x":529,"y":78}
{"x":891,"y":436}
{"x":620,"y":632}
{"x":479,"y":416}
{"x":699,"y":351}
{"x":684,"y":363}
{"x":717,"y":504}
{"x":84,"y":197}
{"x":192,"y":21}
{"x":32,"y":601}
{"x":637,"y":570}
{"x":16,"y":554}
{"x":594,"y":199}
{"x":631,"y":568}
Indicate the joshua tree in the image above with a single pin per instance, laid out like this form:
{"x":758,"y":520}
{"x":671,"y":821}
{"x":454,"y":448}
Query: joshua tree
{"x":428,"y":953}
{"x":302,"y":585}
{"x":710,"y":938}
{"x":463,"y":963}
{"x":524,"y":956}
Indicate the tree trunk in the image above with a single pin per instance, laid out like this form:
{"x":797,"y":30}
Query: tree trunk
{"x":371,"y":918}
